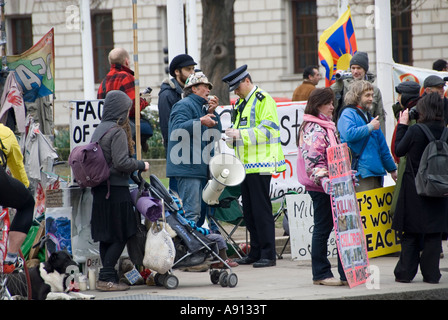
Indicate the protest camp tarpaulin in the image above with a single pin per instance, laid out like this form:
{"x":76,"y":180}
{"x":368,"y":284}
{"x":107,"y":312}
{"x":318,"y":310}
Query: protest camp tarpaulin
{"x":347,"y":222}
{"x":337,"y":45}
{"x":34,"y":68}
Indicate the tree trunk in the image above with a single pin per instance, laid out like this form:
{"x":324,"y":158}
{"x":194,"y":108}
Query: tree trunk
{"x":218,"y":45}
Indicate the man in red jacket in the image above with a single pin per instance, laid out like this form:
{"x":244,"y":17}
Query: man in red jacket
{"x":121,"y":77}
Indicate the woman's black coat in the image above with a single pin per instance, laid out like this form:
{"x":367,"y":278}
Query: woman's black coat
{"x":414,"y":213}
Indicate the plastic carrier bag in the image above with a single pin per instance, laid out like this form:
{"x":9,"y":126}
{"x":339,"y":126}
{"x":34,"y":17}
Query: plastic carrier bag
{"x":159,"y":249}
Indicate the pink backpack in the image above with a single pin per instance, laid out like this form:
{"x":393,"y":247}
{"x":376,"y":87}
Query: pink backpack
{"x":89,"y":166}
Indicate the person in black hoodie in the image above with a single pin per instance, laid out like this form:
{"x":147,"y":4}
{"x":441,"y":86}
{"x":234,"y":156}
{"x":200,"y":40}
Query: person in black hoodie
{"x":113,"y":217}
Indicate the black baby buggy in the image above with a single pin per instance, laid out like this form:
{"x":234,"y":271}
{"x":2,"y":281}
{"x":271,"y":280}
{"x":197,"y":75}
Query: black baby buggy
{"x":193,"y":248}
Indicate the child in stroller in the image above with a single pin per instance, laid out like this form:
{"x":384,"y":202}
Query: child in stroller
{"x":194,"y":245}
{"x":214,"y":237}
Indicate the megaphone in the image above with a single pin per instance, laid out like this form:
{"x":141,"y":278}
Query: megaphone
{"x":226,"y":171}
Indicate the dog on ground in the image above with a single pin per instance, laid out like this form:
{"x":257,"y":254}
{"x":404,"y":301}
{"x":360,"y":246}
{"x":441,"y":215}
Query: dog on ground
{"x":48,"y":280}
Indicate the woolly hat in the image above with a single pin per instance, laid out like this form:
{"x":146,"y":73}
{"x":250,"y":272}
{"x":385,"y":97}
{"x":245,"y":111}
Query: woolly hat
{"x":361,"y":59}
{"x":410,"y":90}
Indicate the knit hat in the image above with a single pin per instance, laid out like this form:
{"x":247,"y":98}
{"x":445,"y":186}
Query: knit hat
{"x":410,"y":90}
{"x":361,"y":59}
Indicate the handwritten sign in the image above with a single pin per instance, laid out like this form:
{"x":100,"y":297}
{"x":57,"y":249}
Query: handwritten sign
{"x":374,"y":206}
{"x":290,"y":116}
{"x":301,"y":226}
{"x":348,"y":226}
{"x":85,"y":117}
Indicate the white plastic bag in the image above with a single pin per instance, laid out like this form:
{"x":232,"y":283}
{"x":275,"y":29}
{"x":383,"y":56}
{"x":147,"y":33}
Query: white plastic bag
{"x":159,"y":250}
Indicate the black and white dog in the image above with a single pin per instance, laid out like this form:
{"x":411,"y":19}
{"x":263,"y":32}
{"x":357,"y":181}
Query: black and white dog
{"x":49,"y":279}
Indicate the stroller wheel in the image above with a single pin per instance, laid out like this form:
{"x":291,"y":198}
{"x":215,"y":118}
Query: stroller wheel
{"x":214,"y":276}
{"x":159,"y":279}
{"x":223,"y":278}
{"x":232,"y":280}
{"x":171,"y":282}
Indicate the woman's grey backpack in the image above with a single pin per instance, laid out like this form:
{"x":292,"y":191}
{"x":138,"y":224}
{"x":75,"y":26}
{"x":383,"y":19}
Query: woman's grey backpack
{"x":432,"y":176}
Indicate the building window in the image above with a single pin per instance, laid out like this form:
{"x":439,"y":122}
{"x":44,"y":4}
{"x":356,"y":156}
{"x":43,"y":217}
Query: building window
{"x":401,"y":11}
{"x":103,"y":42}
{"x":22,"y":34}
{"x":304,"y":20}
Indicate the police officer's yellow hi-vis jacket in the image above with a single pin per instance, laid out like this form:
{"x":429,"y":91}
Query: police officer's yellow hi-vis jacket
{"x":260,"y":148}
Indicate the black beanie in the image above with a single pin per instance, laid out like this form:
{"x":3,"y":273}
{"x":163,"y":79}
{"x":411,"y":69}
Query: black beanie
{"x":361,"y":59}
{"x":410,"y":90}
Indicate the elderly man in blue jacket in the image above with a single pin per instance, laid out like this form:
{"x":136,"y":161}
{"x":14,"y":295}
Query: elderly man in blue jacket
{"x":364,"y":138}
{"x":193,"y":129}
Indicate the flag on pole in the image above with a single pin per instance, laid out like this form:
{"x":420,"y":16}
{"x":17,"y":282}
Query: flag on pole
{"x":34,"y":69}
{"x":337,"y":45}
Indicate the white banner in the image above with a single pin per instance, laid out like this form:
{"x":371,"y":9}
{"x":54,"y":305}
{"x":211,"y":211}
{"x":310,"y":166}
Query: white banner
{"x":407,"y":73}
{"x":86,"y":115}
{"x":301,"y":226}
{"x":290,"y":115}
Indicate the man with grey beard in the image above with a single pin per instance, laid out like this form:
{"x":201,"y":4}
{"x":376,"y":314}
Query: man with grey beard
{"x":371,"y":157}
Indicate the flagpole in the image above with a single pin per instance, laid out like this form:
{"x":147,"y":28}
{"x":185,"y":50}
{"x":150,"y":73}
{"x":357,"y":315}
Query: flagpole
{"x":385,"y":61}
{"x":342,"y":7}
{"x":3,"y":37}
{"x":137,"y":82}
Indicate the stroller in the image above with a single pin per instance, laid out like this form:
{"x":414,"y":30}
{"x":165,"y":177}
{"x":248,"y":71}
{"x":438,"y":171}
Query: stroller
{"x":192,"y":247}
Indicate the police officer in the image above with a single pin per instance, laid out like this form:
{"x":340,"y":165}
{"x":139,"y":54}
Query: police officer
{"x":255,"y":135}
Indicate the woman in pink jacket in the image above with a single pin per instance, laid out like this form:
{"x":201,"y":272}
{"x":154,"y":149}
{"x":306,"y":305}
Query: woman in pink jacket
{"x":316,"y":134}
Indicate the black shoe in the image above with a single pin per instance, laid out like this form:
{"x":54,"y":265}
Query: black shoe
{"x":245,"y":260}
{"x":264,"y":263}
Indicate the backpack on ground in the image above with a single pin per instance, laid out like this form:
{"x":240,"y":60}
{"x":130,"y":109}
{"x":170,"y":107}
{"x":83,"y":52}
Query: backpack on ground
{"x":89,"y":166}
{"x":432,"y":176}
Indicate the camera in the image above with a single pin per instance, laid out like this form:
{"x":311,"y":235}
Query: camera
{"x":343,"y":75}
{"x":147,"y":90}
{"x":413,"y":113}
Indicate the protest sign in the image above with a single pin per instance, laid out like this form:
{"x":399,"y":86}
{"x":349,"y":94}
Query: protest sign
{"x":85,"y":117}
{"x":301,"y":226}
{"x":290,"y":115}
{"x":374,"y":206}
{"x":346,"y":217}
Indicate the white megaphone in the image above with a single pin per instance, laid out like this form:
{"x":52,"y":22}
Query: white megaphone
{"x":226,"y":171}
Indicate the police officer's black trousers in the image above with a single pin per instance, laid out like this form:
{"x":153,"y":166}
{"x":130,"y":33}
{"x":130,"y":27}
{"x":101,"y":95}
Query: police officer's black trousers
{"x":258,"y":215}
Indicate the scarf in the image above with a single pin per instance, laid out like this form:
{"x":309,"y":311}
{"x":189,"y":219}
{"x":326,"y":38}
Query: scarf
{"x":326,"y":124}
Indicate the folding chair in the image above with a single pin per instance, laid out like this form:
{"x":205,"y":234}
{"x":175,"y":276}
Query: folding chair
{"x":282,"y":210}
{"x":229,"y":211}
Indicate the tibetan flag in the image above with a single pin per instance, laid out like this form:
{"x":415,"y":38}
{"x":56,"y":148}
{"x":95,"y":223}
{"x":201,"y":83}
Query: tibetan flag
{"x":34,"y":69}
{"x":337,"y":45}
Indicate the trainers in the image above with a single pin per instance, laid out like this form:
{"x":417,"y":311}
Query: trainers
{"x":10,"y":267}
{"x":329,"y":282}
{"x":111,"y":286}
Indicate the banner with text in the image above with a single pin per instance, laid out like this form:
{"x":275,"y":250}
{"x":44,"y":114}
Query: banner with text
{"x":348,"y":227}
{"x":301,"y":225}
{"x":86,"y":115}
{"x":374,"y":206}
{"x":290,"y":115}
{"x":34,"y":68}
